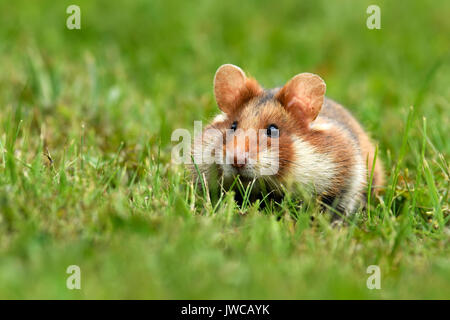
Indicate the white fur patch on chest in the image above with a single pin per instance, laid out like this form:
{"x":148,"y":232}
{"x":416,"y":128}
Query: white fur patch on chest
{"x":312,"y":170}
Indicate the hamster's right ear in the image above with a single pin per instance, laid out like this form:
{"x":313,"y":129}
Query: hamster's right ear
{"x":232,"y":88}
{"x":303,"y":96}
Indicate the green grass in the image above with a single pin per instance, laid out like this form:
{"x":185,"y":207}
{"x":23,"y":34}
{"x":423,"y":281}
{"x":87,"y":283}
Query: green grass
{"x":85,"y":172}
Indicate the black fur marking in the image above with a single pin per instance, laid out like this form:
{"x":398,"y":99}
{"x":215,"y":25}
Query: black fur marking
{"x":268,"y":95}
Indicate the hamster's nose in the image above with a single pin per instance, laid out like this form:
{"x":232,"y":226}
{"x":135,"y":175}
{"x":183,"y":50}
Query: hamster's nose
{"x":237,"y":159}
{"x":237,"y":153}
{"x":239,"y":162}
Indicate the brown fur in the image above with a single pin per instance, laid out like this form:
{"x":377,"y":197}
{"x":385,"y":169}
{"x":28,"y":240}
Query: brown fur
{"x":338,"y":113}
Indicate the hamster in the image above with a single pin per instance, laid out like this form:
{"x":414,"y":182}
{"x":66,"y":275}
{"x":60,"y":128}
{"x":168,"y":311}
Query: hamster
{"x":320,"y":148}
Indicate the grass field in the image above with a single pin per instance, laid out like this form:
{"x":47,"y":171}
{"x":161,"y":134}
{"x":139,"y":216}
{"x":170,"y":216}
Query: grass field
{"x":86,"y":179}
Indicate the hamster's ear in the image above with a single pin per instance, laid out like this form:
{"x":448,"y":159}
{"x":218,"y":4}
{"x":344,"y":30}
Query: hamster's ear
{"x":303,"y":96}
{"x":232,"y":88}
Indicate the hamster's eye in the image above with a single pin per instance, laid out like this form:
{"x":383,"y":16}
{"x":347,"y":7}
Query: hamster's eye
{"x":272,"y":131}
{"x":234,"y":126}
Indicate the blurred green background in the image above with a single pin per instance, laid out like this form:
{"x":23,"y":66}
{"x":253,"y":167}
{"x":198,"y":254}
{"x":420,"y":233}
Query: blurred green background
{"x":102,"y":102}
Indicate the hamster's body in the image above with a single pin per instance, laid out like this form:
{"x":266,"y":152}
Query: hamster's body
{"x":340,"y":136}
{"x":320,"y":147}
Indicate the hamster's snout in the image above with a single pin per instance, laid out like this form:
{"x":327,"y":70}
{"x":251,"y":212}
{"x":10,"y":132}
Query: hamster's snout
{"x":239,"y":163}
{"x":241,"y":149}
{"x":237,"y":156}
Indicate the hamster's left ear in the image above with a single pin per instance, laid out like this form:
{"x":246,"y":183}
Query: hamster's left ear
{"x":233,"y":89}
{"x":303,"y":96}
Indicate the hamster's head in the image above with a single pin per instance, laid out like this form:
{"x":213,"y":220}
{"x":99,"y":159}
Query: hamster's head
{"x":254,"y":135}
